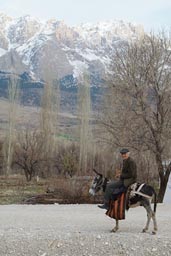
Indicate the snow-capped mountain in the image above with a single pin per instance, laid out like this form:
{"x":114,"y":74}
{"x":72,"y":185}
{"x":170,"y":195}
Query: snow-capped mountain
{"x":53,"y":49}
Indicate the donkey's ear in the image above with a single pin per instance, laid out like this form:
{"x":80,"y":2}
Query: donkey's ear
{"x":94,"y":170}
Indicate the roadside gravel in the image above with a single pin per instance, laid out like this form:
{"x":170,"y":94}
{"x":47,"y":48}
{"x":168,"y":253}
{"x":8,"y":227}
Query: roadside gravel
{"x":80,"y":230}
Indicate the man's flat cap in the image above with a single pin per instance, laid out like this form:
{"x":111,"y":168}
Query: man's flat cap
{"x":124,"y":150}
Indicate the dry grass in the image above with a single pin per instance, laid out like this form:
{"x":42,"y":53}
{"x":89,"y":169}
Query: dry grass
{"x":15,"y":190}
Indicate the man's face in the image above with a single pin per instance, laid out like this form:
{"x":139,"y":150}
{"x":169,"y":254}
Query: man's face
{"x":125,"y":155}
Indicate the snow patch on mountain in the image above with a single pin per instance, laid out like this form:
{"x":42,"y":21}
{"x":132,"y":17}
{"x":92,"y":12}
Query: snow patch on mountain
{"x":79,"y":67}
{"x":88,"y":54}
{"x":2,"y":52}
{"x":88,"y":46}
{"x":29,"y":49}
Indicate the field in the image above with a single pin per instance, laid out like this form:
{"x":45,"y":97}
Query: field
{"x":27,"y":116}
{"x":66,"y":123}
{"x":15,"y":190}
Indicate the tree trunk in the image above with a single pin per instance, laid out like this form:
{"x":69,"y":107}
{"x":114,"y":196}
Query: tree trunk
{"x":164,"y":177}
{"x":163,"y":183}
{"x":162,"y":189}
{"x":26,"y":175}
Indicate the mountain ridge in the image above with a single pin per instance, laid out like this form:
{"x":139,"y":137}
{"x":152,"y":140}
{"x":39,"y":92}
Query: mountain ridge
{"x":66,"y":49}
{"x":51,"y":50}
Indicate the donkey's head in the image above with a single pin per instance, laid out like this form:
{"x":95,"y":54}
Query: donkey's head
{"x":98,"y":183}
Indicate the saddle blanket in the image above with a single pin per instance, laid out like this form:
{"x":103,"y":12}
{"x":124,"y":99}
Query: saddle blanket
{"x":141,"y":189}
{"x":117,"y":208}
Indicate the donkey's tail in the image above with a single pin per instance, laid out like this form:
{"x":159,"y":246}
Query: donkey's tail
{"x":155,"y":201}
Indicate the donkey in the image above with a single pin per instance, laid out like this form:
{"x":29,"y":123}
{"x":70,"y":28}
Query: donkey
{"x":137,"y":195}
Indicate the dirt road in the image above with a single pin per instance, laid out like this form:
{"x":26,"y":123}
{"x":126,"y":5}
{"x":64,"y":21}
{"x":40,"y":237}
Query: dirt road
{"x":80,"y":230}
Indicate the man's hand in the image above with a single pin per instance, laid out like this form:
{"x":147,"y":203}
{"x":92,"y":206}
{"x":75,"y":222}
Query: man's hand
{"x":117,"y":173}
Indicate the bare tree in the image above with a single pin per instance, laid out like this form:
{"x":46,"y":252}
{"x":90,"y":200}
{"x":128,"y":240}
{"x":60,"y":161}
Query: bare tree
{"x":28,"y":154}
{"x":84,"y":116}
{"x":1,"y":157}
{"x":139,"y":114}
{"x":50,"y":106}
{"x":13,"y":96}
{"x":67,"y":159}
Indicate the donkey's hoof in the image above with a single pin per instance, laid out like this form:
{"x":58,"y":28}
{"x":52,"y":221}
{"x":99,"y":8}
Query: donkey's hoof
{"x":114,"y":230}
{"x":144,"y":230}
{"x":154,"y":232}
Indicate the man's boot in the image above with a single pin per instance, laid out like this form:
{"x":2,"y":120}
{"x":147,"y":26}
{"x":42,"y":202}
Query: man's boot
{"x":104,"y":206}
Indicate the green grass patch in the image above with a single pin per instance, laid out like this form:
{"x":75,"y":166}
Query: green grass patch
{"x":14,"y":189}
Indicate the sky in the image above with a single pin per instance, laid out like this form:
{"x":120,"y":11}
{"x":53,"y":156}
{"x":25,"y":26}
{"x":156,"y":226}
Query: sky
{"x":152,"y":14}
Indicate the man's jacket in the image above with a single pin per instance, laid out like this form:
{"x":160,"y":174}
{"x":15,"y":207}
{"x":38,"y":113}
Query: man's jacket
{"x":129,"y":172}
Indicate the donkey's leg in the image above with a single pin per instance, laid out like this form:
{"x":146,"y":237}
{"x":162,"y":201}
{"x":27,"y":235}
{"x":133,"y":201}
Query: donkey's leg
{"x":147,"y":223}
{"x":150,"y":214}
{"x":116,"y":227}
{"x":146,"y":203}
{"x":154,"y":223}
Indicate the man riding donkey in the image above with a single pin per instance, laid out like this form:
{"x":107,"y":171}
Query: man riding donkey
{"x":128,"y":176}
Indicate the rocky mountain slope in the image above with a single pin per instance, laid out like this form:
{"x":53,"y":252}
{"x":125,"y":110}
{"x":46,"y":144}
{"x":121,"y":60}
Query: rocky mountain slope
{"x":36,"y":46}
{"x":54,"y":50}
